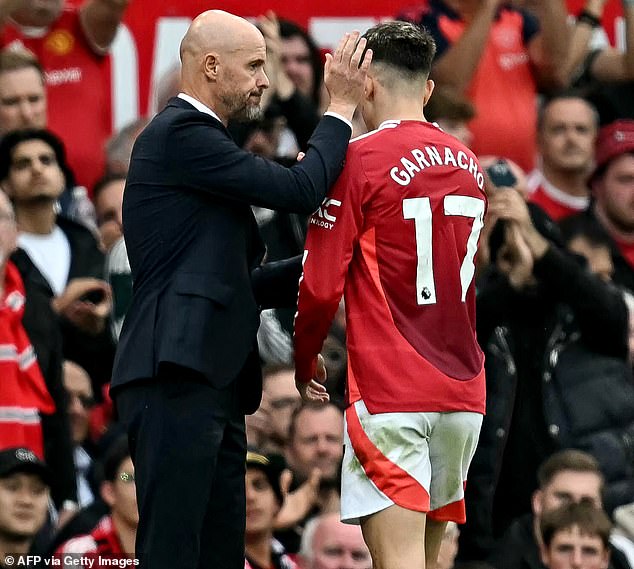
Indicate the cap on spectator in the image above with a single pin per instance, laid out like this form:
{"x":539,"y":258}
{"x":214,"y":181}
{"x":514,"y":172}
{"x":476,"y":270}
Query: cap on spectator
{"x":272,"y":466}
{"x":613,"y":140}
{"x":22,"y":459}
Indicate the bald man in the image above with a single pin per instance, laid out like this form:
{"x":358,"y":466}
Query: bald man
{"x":187,"y":367}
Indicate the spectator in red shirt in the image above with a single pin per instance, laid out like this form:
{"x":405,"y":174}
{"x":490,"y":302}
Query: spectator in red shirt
{"x":72,"y":46}
{"x":566,"y":133}
{"x":498,"y":56}
{"x":613,"y":190}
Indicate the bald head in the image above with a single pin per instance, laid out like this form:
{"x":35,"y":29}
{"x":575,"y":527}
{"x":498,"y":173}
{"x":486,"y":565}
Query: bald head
{"x":223,"y":59}
{"x":327,"y":543}
{"x":217,"y":31}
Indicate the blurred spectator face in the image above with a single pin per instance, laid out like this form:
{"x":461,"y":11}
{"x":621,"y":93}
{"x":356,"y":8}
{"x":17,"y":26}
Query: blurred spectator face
{"x":615,"y":192}
{"x":317,"y":442}
{"x":297,"y":64}
{"x":23,"y":505}
{"x":568,"y":135}
{"x":566,"y":487}
{"x":339,"y":546}
{"x":38,"y":13}
{"x":80,"y":400}
{"x":8,"y":228}
{"x":262,"y":505}
{"x":34,"y":172}
{"x":281,"y":398}
{"x":570,"y":549}
{"x":599,"y":257}
{"x":459,"y":129}
{"x":120,"y":495}
{"x":109,"y":208}
{"x":22,"y":100}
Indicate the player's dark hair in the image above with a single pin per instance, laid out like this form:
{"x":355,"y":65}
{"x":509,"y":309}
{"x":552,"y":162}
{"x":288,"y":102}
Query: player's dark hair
{"x":402,"y":45}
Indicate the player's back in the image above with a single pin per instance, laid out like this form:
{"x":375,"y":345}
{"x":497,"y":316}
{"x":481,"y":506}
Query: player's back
{"x":410,"y":295}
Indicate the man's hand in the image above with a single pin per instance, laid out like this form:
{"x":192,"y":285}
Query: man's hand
{"x":509,"y":205}
{"x":514,"y":258}
{"x":75,"y":304}
{"x":314,"y":390}
{"x":345,"y":73}
{"x":298,"y":504}
{"x":280,"y":82}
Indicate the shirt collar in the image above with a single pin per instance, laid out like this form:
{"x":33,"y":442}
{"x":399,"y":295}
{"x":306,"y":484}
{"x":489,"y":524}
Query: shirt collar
{"x":198,"y":105}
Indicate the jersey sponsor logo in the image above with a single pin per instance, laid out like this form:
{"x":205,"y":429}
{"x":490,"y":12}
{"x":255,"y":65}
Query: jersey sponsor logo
{"x":324,"y":217}
{"x":63,"y":76}
{"x":60,"y":42}
{"x":434,"y":156}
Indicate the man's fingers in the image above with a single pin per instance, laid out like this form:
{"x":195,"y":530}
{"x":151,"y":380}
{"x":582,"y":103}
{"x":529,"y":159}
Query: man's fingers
{"x":349,"y":47}
{"x":358,"y":52}
{"x":338,"y":55}
{"x":367,"y":59}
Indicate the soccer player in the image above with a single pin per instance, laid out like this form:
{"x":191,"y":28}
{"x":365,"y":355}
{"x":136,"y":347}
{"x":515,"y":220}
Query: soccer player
{"x":397,"y":236}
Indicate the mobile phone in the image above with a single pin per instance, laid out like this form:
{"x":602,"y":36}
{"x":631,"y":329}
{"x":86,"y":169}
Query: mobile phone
{"x":501,"y":175}
{"x":95,"y":296}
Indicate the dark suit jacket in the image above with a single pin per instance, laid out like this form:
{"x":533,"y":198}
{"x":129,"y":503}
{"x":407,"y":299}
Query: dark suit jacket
{"x":194,"y":245}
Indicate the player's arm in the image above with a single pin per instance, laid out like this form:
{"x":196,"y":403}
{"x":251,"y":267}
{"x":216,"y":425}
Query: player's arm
{"x":548,"y":48}
{"x":456,"y":66}
{"x":333,"y":232}
{"x":100,"y":20}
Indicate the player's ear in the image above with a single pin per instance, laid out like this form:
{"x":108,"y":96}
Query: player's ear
{"x":368,"y":89}
{"x":429,"y":89}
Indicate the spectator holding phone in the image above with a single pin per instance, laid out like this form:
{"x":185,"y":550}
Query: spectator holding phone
{"x":61,"y":255}
{"x":539,"y":313}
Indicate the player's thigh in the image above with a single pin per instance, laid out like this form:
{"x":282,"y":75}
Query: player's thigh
{"x":452,"y":445}
{"x":386,"y":461}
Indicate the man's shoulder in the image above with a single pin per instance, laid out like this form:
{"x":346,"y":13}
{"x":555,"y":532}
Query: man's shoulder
{"x":73,"y":228}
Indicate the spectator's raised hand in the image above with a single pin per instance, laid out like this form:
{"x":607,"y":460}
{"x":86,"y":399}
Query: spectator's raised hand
{"x":514,"y":258}
{"x":511,"y":206}
{"x":86,"y":302}
{"x":280,"y":82}
{"x":345,"y":73}
{"x":297,"y":504}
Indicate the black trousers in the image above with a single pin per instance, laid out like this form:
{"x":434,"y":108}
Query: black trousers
{"x":188,"y":445}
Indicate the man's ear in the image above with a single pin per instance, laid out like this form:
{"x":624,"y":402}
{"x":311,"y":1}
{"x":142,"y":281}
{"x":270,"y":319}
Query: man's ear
{"x":107,"y":492}
{"x":429,"y":89}
{"x":543,"y":554}
{"x":6,"y":188}
{"x":210,"y":66}
{"x":536,"y":502}
{"x":369,"y":88}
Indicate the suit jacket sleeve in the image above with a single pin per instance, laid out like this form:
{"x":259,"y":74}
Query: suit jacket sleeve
{"x":203,"y":157}
{"x":275,"y":284}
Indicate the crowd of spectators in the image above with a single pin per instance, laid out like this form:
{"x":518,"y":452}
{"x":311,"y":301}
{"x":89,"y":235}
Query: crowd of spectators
{"x":547,"y":105}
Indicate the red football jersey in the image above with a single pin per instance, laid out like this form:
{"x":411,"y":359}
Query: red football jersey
{"x":397,"y":235}
{"x":78,"y":88}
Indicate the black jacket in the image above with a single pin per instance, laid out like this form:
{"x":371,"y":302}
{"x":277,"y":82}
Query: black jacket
{"x":193,"y":244}
{"x":534,"y":405}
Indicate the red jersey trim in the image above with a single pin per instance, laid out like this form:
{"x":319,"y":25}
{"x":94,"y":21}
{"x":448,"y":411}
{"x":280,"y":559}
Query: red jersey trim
{"x":389,"y":478}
